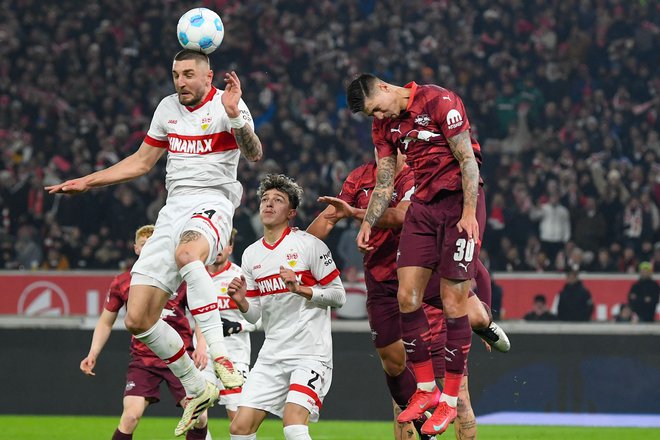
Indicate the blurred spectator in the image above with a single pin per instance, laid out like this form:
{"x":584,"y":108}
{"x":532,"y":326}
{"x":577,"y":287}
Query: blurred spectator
{"x":554,"y":225}
{"x":644,"y":294}
{"x":575,"y":303}
{"x":590,"y":227}
{"x":626,"y":314}
{"x":540,"y":310}
{"x":347,"y":249}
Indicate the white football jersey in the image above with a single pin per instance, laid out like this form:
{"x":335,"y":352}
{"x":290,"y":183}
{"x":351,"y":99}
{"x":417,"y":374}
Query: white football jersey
{"x":295,"y":328}
{"x":238,"y":345}
{"x":202,"y":151}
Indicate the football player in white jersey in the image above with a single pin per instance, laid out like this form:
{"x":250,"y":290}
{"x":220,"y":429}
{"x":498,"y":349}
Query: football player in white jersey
{"x":291,"y":282}
{"x":237,"y":338}
{"x":204,"y":131}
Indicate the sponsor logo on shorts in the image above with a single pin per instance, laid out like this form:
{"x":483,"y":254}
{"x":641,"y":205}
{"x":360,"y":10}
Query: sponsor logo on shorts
{"x":374,"y":334}
{"x":130,"y":385}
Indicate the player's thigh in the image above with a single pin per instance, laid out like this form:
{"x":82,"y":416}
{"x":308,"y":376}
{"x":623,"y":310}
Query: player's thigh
{"x":418,"y":244}
{"x":246,"y":420}
{"x":134,"y":406}
{"x":205,"y":232}
{"x":145,"y":304}
{"x":310,"y":382}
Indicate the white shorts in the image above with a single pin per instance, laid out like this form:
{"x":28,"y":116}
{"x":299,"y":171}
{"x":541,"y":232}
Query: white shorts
{"x":209,"y":214}
{"x":229,"y":398}
{"x":303,"y":382}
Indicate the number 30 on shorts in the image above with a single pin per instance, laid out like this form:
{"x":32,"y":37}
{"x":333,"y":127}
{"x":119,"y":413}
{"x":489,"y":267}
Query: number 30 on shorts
{"x":464,"y":250}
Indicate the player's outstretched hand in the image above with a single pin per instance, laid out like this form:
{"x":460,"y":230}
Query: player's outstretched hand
{"x":87,"y":366}
{"x":363,"y":238}
{"x":230,"y":327}
{"x":342,"y":209}
{"x":232,"y":94}
{"x":289,"y":278}
{"x":73,"y":186}
{"x":470,"y":226}
{"x":237,"y":290}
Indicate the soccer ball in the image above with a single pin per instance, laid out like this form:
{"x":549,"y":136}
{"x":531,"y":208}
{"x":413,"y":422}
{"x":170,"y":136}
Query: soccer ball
{"x":200,"y":29}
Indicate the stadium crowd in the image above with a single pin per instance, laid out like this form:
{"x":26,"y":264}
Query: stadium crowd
{"x":563,"y":95}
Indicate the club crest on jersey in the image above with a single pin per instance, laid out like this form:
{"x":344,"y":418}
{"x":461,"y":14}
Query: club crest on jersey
{"x":423,"y":120}
{"x":292,"y":258}
{"x":206,"y":122}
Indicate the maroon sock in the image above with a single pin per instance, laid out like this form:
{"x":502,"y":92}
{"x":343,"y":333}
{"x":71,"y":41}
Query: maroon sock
{"x":118,"y":435}
{"x":402,"y":387}
{"x":197,"y":433}
{"x":459,"y":338}
{"x":414,"y":326}
{"x":484,"y":289}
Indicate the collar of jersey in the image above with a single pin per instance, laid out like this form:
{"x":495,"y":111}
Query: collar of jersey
{"x":208,"y":97}
{"x":227,"y":266}
{"x":273,"y":246}
{"x":413,"y":89}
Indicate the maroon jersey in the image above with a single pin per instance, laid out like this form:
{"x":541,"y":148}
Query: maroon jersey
{"x":174,"y":314}
{"x":357,"y":189}
{"x":433,"y":115}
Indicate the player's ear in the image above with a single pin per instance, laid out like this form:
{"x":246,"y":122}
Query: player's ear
{"x":209,"y":76}
{"x":292,"y":213}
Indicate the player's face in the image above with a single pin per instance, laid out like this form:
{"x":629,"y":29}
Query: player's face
{"x":139,"y":244}
{"x":224,"y":255}
{"x":382,"y":104}
{"x":274,"y":209}
{"x":192,"y":81}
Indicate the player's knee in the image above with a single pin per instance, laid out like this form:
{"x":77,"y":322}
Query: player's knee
{"x":130,"y":420}
{"x":183,"y":256}
{"x":135,"y":324}
{"x":239,"y":427}
{"x":408,"y":301}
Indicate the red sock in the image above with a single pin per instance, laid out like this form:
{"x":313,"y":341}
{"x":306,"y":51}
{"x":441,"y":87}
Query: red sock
{"x":424,"y":371}
{"x":452,"y":384}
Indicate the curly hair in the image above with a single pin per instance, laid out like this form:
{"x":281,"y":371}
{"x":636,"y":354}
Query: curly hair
{"x":284,"y":184}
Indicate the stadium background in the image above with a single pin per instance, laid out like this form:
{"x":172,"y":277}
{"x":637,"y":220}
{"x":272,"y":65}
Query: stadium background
{"x":564,"y":97}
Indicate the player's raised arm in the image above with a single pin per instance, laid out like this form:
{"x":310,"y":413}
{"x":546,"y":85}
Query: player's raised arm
{"x":247,"y":140}
{"x":461,"y":147}
{"x":135,"y":165}
{"x":380,"y":199}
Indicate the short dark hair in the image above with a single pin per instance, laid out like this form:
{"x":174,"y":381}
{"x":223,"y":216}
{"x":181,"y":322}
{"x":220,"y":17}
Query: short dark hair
{"x":189,"y":54}
{"x":540,"y":298}
{"x":360,"y":88}
{"x":283,"y":184}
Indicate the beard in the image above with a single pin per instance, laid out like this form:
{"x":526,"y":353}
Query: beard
{"x":191,"y":99}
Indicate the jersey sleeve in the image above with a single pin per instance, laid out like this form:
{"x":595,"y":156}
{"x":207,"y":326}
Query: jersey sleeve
{"x":320,"y":262}
{"x":406,"y":187}
{"x":350,"y":188}
{"x":157,"y":134}
{"x":114,"y":301}
{"x":244,"y":113}
{"x":384,"y":148}
{"x":448,"y":110}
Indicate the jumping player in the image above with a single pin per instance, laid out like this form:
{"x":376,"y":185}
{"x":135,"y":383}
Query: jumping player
{"x":443,"y":225}
{"x":204,"y":131}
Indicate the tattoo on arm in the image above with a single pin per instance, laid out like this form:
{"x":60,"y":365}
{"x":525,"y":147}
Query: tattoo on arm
{"x":188,"y":236}
{"x":382,"y":193}
{"x":461,"y":147}
{"x":248,"y":142}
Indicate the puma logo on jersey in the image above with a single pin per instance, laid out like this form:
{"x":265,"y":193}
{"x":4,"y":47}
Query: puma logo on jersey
{"x":396,"y":130}
{"x":446,"y":98}
{"x":366,"y":191}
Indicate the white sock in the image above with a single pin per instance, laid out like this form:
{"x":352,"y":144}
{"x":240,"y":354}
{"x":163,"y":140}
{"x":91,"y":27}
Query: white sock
{"x":297,"y":432}
{"x":203,"y":303}
{"x":426,"y":386}
{"x":451,"y":400}
{"x":166,"y":343}
{"x":243,"y":437}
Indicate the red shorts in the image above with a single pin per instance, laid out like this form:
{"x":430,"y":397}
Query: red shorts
{"x":431,"y":239}
{"x":383,"y":308}
{"x":144,"y":381}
